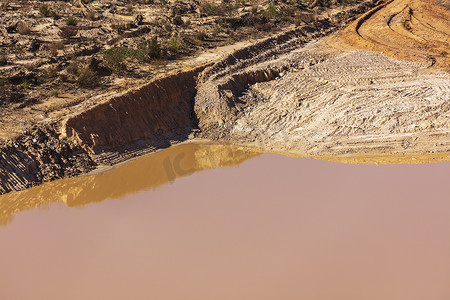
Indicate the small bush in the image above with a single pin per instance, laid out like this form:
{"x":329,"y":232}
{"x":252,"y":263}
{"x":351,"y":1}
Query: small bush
{"x":44,"y":10}
{"x":174,"y":44}
{"x":271,"y":11}
{"x":55,"y":93}
{"x":324,"y":3}
{"x":149,"y":49}
{"x":114,"y":57}
{"x":23,"y":28}
{"x":88,"y":78}
{"x":68,"y":32}
{"x":52,"y":72}
{"x":73,"y":68}
{"x":208,"y":8}
{"x":71,"y":21}
{"x":201,"y":35}
{"x":54,"y":47}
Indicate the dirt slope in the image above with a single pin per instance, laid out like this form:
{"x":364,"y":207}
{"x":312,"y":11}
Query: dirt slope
{"x":330,"y":99}
{"x":416,"y":30}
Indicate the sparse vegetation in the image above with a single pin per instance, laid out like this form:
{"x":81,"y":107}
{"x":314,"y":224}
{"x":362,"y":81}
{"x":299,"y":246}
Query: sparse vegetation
{"x":271,"y":11}
{"x":44,"y":10}
{"x":149,"y":49}
{"x":88,"y":78}
{"x":201,"y":35}
{"x":324,"y":3}
{"x":54,"y":47}
{"x":208,"y":8}
{"x":67,"y":32}
{"x":114,"y":57}
{"x":71,"y":21}
{"x":174,"y":44}
{"x":124,"y":37}
{"x":55,"y":93}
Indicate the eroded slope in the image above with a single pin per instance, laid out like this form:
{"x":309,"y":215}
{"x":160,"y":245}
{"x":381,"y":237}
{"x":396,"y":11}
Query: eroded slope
{"x":322,"y":100}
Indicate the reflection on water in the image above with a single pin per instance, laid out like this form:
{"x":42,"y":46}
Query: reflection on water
{"x":143,"y":173}
{"x":158,"y":169}
{"x":276,"y":227}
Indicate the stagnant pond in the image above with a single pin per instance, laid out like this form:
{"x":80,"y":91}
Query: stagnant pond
{"x":264,"y":226}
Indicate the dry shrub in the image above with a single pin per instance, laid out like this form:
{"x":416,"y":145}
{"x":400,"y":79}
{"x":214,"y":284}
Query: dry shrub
{"x":71,"y":21}
{"x":54,"y":47}
{"x":68,"y":31}
{"x":148,"y":49}
{"x":208,"y":8}
{"x":119,"y":25}
{"x":264,"y":27}
{"x":201,"y":35}
{"x":129,"y":8}
{"x":73,"y":68}
{"x":91,"y":15}
{"x":88,"y":78}
{"x":23,"y":28}
{"x":52,"y":72}
{"x":44,"y":10}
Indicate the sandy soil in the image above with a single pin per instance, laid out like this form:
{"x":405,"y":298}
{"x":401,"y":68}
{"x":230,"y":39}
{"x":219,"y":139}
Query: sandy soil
{"x":56,"y":55}
{"x":405,"y":29}
{"x":329,"y":98}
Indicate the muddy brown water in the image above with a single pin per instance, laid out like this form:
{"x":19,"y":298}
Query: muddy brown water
{"x":263,"y":227}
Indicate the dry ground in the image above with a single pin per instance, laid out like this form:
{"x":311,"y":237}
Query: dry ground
{"x":55,"y":55}
{"x":332,"y":99}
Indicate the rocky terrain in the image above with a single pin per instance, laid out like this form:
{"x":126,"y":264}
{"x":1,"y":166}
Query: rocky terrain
{"x":317,"y":87}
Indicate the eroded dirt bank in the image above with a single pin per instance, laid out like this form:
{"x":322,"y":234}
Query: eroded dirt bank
{"x":144,"y":119}
{"x":293,"y":93}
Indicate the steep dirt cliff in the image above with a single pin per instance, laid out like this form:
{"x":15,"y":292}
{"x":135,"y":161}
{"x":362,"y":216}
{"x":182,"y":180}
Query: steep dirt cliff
{"x":160,"y":106}
{"x":147,"y":118}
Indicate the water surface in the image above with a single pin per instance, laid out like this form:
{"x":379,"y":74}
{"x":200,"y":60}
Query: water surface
{"x":275,"y":227}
